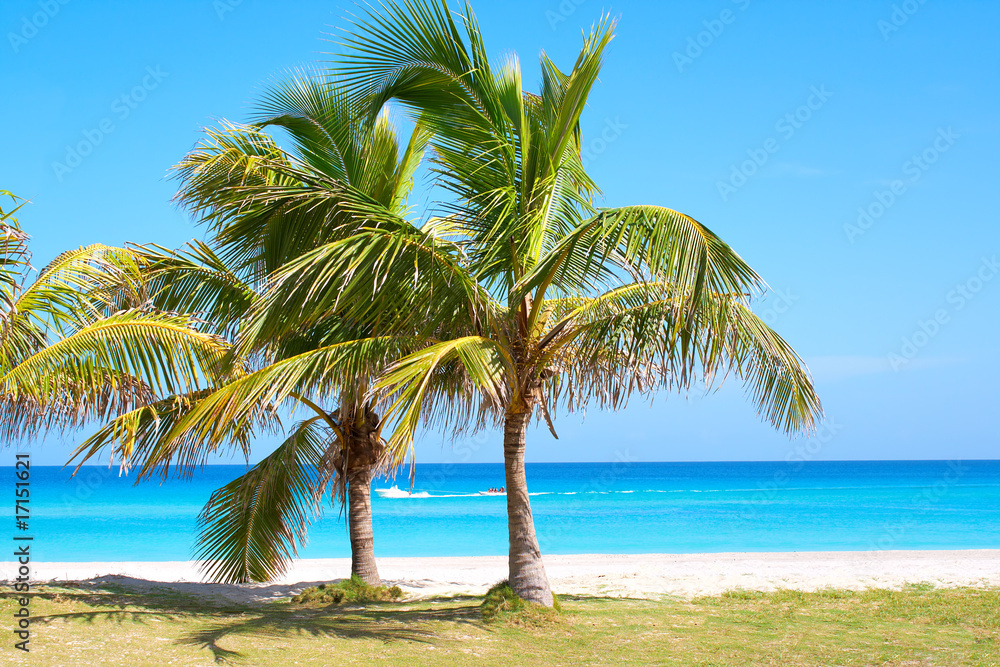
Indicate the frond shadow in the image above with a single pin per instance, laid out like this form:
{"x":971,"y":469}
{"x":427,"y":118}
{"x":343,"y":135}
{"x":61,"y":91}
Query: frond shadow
{"x":319,"y":624}
{"x":122,"y":601}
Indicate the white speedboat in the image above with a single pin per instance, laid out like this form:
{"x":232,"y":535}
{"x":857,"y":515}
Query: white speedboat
{"x":491,"y":493}
{"x":394,"y":492}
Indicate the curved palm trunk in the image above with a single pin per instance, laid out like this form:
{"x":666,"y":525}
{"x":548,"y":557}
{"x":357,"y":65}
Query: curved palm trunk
{"x":359,"y":519}
{"x":527,"y":571}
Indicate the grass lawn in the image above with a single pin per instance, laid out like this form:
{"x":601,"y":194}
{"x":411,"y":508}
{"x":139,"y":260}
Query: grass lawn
{"x":88,"y":625}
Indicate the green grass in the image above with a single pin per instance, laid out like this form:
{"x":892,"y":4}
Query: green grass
{"x":88,"y":625}
{"x":349,"y":590}
{"x":501,"y":605}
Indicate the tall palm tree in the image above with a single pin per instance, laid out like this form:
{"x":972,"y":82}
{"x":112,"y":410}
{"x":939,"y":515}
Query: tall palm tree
{"x":76,"y":343}
{"x":542,"y":299}
{"x":264,"y":207}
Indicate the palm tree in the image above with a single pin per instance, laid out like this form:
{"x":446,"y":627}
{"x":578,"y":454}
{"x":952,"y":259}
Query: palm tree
{"x":265,"y":207}
{"x":545,"y":300}
{"x":75,"y":342}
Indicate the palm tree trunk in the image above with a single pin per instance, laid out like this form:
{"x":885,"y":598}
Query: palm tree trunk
{"x":359,"y":519}
{"x":527,"y":571}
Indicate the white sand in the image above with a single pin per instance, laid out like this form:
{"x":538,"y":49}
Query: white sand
{"x":644,"y":575}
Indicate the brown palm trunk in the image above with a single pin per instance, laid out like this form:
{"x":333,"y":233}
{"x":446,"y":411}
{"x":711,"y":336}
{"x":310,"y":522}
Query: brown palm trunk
{"x":359,"y":519}
{"x":527,"y":571}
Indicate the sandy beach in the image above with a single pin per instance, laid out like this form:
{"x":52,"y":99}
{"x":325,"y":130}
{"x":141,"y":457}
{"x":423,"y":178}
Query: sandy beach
{"x":637,"y":576}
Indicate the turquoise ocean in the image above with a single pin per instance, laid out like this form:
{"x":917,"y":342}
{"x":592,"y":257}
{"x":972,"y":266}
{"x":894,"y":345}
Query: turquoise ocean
{"x":622,"y":507}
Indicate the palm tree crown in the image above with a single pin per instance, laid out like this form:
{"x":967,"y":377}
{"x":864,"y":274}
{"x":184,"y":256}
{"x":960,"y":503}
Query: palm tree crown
{"x":265,"y":207}
{"x":576,"y":303}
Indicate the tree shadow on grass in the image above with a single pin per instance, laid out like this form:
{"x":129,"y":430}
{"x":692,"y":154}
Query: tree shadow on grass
{"x":216,"y":620}
{"x":386,"y":622}
{"x":281,"y":623}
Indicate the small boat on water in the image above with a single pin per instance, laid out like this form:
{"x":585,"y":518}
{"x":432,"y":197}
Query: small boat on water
{"x":396,"y":492}
{"x":492,"y":493}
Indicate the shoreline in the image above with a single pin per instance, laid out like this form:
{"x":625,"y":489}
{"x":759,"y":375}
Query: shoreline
{"x":648,"y":576}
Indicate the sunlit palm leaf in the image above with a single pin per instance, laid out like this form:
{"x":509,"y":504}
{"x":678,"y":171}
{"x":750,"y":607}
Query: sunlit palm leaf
{"x":490,"y":370}
{"x":138,"y":438}
{"x":249,"y":527}
{"x":195,"y":280}
{"x":162,"y":350}
{"x":326,"y":373}
{"x":641,"y":338}
{"x":384,"y":280}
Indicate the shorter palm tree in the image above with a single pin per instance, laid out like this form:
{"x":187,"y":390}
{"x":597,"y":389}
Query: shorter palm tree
{"x":266,"y":207}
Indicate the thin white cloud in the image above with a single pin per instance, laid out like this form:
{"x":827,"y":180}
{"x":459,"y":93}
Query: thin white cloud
{"x":833,"y":368}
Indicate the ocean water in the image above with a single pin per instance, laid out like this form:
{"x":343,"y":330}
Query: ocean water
{"x":624,"y":507}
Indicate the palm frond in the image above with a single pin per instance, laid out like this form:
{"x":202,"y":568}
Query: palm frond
{"x":80,"y":286}
{"x":197,"y":281}
{"x":382,"y":280}
{"x":162,"y":350}
{"x":650,"y":242}
{"x":15,"y":258}
{"x":139,"y":439}
{"x":69,"y":404}
{"x":488,"y":370}
{"x":249,"y":527}
{"x":641,"y":338}
{"x":330,"y":373}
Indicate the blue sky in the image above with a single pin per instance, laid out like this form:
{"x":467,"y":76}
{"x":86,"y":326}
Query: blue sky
{"x":847,"y":150}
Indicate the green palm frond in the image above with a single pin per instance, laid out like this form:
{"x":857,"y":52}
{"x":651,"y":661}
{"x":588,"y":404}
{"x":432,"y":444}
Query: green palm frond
{"x":335,"y":373}
{"x":195,"y":280}
{"x":77,"y":288}
{"x":162,"y":350}
{"x":249,"y":527}
{"x":80,"y":286}
{"x":68,"y":404}
{"x":772,"y":372}
{"x":488,"y":371}
{"x":512,"y":160}
{"x":639,"y":338}
{"x":319,"y":119}
{"x":14,"y":255}
{"x":653,"y":242}
{"x":405,"y":173}
{"x":382,"y":280}
{"x":139,"y":438}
